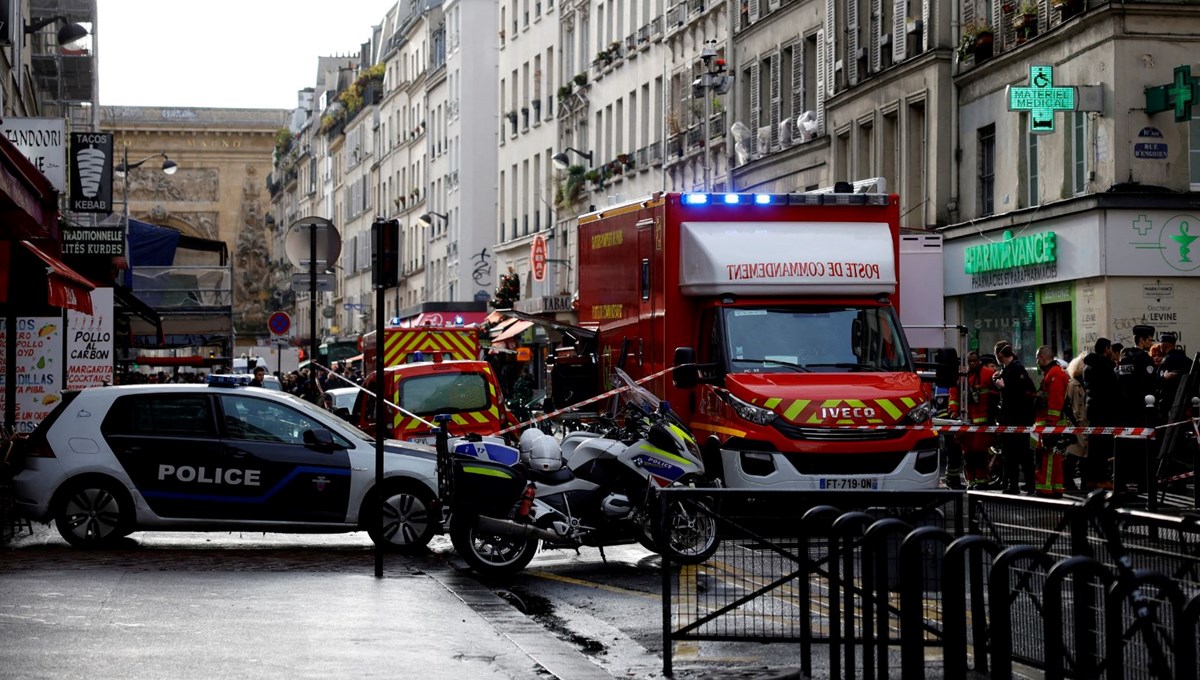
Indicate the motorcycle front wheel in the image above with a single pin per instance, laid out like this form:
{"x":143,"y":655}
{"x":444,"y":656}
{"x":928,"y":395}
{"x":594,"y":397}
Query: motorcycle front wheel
{"x":691,"y":533}
{"x":491,"y":554}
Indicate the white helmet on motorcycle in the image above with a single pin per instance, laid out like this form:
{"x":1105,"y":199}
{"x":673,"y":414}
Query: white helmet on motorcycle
{"x":545,"y":455}
{"x":525,"y":444}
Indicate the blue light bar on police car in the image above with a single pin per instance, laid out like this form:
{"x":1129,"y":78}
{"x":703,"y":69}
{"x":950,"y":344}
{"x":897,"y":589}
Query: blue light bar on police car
{"x":762,"y":199}
{"x":695,"y":199}
{"x":731,"y":199}
{"x":229,"y":380}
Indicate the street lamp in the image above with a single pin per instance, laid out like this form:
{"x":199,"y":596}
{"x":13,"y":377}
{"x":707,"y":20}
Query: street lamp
{"x":68,"y":36}
{"x":712,"y":81}
{"x":168,"y":167}
{"x":562,"y":160}
{"x":426,"y":219}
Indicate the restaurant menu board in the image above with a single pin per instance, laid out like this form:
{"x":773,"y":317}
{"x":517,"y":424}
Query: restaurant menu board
{"x":90,"y":343}
{"x":39,"y":369}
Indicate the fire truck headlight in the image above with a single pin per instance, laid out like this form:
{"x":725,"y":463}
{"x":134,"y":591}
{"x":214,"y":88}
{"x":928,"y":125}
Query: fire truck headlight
{"x":919,"y":414}
{"x":755,"y":414}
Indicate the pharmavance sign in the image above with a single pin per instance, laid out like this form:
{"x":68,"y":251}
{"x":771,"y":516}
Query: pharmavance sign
{"x":1009,"y":253}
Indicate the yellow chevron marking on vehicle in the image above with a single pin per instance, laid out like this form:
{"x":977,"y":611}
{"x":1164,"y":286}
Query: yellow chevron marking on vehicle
{"x":830,"y":403}
{"x":772,"y":402}
{"x":479,"y":417}
{"x":412,"y":424}
{"x":495,"y":412}
{"x":459,"y":420}
{"x":491,"y":389}
{"x":857,"y":403}
{"x":795,"y":409}
{"x":908,"y":401}
{"x":717,"y":428}
{"x":887,"y":405}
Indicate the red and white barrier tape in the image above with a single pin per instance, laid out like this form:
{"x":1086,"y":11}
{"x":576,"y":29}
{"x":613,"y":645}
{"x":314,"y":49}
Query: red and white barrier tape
{"x":1123,"y":432}
{"x":585,"y":402}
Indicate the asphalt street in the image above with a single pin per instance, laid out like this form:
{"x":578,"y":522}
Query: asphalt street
{"x":217,"y":605}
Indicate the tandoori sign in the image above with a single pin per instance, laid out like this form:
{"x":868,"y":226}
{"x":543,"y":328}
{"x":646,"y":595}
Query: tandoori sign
{"x":1011,"y":252}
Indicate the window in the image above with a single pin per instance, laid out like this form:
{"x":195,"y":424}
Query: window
{"x":256,"y":419}
{"x":444,"y":393}
{"x":987,"y":170}
{"x":179,"y":415}
{"x":1079,"y":169}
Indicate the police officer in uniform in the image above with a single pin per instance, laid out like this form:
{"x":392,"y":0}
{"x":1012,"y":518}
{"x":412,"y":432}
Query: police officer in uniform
{"x":1136,"y":378}
{"x":1016,"y":408}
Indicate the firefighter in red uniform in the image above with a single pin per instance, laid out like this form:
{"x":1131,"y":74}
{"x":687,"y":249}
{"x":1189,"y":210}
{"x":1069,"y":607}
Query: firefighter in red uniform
{"x":981,"y":396}
{"x":1051,"y":397}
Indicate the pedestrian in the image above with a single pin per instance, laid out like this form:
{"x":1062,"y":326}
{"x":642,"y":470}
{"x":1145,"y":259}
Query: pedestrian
{"x":1136,"y":378}
{"x":1075,"y":410}
{"x":950,"y":443}
{"x":1171,"y":372}
{"x":1050,"y":401}
{"x":259,"y":374}
{"x":980,"y":395}
{"x":1103,"y":395}
{"x":1016,"y":408}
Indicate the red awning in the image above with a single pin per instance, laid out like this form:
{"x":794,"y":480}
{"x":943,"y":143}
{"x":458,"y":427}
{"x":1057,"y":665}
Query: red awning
{"x":512,"y":331}
{"x":64,"y":286}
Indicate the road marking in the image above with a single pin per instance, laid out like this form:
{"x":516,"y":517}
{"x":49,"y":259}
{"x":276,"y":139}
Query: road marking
{"x":592,"y":584}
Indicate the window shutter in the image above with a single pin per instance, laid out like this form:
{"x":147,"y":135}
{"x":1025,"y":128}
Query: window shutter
{"x":1043,"y":8}
{"x":850,"y":61}
{"x":754,"y":10}
{"x":831,"y":52}
{"x":876,"y":33}
{"x":351,"y":255}
{"x":822,"y":74}
{"x":926,"y":25}
{"x":776,"y":99}
{"x":755,"y":108}
{"x":797,"y":76}
{"x":899,"y":31}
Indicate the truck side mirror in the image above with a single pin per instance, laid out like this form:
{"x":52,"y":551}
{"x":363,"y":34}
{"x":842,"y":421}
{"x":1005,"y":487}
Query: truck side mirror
{"x":947,"y":367}
{"x":685,"y":376}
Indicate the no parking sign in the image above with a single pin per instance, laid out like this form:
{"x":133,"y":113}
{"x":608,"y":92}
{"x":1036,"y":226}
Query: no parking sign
{"x":279,"y":323}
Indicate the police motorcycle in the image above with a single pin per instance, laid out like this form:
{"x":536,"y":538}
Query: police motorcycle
{"x":505,"y":502}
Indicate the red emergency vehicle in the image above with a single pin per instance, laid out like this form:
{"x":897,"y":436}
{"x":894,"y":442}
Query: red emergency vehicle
{"x":431,"y":371}
{"x":788,"y":303}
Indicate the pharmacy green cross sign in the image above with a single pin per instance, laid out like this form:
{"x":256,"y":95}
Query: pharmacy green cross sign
{"x":1041,"y":100}
{"x":1180,"y":94}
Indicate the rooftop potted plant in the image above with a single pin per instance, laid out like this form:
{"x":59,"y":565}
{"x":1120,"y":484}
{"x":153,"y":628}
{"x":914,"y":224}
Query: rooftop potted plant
{"x":977,"y":38}
{"x":1025,"y":20}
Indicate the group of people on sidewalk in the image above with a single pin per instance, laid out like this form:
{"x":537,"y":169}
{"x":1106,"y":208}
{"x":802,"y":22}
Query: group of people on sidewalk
{"x":1106,"y":387}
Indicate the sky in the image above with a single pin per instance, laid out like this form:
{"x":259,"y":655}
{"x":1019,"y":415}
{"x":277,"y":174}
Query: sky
{"x":223,"y":53}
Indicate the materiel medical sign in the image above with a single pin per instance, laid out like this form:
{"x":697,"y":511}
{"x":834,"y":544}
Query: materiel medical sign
{"x":1042,"y":100}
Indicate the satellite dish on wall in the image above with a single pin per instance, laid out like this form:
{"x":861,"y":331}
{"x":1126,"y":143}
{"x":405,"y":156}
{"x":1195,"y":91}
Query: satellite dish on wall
{"x":298,"y":243}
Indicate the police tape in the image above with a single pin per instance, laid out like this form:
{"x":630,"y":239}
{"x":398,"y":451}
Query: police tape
{"x":575,"y":407}
{"x":1122,"y":432}
{"x":386,"y":402}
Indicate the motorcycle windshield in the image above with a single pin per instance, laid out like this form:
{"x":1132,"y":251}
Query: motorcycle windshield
{"x":643,"y":398}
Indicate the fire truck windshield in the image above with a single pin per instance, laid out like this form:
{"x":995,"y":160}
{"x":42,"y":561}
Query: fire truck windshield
{"x":444,"y":393}
{"x":817,"y":339}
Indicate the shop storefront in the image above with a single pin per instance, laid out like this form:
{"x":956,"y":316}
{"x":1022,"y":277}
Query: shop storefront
{"x":1066,"y":280}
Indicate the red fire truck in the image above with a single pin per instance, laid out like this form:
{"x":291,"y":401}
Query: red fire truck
{"x":784,"y":306}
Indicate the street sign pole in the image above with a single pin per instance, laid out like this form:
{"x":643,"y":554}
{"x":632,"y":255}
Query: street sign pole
{"x":312,"y":299}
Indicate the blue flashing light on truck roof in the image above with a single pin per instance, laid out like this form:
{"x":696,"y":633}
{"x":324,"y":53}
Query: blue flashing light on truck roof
{"x":810,"y":198}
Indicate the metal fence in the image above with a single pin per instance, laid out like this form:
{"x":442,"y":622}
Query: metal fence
{"x":885,"y":581}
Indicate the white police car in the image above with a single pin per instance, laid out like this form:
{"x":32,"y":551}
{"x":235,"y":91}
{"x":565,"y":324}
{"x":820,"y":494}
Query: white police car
{"x":112,"y":460}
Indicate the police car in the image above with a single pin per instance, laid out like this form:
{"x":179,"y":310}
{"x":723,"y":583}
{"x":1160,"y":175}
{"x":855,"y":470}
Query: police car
{"x":112,"y":460}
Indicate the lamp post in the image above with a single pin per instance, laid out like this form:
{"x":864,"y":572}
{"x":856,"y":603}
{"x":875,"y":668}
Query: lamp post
{"x":712,"y":81}
{"x":168,"y":167}
{"x":562,"y":160}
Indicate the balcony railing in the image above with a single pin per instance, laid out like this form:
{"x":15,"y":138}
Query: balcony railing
{"x":656,"y":153}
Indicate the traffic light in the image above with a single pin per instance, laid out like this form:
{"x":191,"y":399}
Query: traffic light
{"x":385,"y":237}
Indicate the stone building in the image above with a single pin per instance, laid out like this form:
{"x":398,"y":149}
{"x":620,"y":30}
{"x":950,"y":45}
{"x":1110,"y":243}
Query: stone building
{"x":219,"y":191}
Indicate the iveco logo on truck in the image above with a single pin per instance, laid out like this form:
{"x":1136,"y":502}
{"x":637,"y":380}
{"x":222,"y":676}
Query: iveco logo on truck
{"x":848,"y":412}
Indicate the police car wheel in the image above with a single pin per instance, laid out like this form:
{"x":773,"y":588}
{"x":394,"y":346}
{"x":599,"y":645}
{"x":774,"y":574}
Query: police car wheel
{"x":94,"y":513}
{"x":408,"y":518}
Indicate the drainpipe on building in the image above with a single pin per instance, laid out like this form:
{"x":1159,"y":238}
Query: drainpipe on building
{"x":731,"y":60}
{"x":955,"y":156}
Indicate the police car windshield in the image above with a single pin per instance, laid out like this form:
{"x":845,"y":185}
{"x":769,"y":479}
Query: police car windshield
{"x":324,"y":415}
{"x":819,"y":339}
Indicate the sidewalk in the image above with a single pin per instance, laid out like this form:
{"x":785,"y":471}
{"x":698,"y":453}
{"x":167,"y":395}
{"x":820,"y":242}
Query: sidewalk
{"x":67,"y":614}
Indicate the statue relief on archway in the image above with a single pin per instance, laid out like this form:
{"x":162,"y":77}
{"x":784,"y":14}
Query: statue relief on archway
{"x":187,"y":184}
{"x":251,"y":260}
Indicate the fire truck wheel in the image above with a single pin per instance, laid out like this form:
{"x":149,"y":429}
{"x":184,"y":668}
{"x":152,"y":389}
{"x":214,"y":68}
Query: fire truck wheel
{"x":407,"y":524}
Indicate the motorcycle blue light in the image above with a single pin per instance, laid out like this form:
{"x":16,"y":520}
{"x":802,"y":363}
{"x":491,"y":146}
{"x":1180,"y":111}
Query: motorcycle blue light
{"x":762,"y":199}
{"x":731,"y":199}
{"x":695,"y":199}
